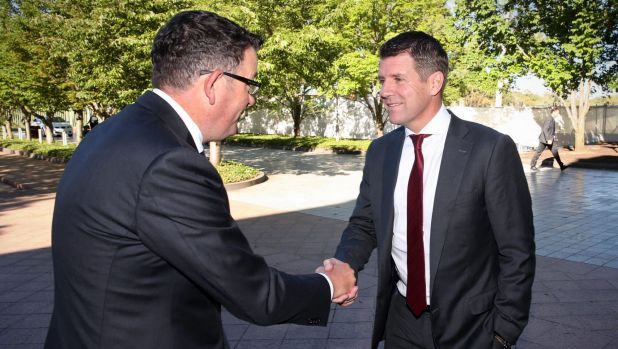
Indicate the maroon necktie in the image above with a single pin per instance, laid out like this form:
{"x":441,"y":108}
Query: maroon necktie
{"x":415,"y":297}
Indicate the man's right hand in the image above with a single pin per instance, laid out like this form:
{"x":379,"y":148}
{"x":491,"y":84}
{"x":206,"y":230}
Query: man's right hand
{"x":343,"y":278}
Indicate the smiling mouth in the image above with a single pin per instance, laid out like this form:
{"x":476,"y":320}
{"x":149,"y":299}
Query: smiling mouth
{"x":392,"y":105}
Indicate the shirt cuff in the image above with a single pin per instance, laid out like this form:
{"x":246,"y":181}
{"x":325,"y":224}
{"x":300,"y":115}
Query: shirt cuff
{"x":330,"y":284}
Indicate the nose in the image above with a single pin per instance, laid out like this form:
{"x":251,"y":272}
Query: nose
{"x":385,"y":91}
{"x":251,"y":100}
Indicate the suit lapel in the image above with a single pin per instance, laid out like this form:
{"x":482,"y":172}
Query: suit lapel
{"x":168,"y":115}
{"x":390,"y":167}
{"x":454,"y":158}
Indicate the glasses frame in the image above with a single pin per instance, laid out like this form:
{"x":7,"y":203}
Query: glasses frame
{"x":254,"y":86}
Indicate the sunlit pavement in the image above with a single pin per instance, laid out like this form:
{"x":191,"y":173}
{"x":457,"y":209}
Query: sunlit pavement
{"x":575,"y":211}
{"x":295,"y":219}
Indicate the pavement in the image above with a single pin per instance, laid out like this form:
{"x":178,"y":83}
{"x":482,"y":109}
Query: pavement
{"x":295,"y":220}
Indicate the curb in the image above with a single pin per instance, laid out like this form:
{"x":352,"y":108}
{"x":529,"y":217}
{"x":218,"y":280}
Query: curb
{"x":261,"y":178}
{"x":301,"y":149}
{"x":12,"y":183}
{"x":34,"y":156}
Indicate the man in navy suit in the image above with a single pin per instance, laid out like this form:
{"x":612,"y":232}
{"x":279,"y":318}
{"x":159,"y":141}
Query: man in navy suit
{"x":146,"y":256}
{"x":547,"y":139}
{"x":446,"y":203}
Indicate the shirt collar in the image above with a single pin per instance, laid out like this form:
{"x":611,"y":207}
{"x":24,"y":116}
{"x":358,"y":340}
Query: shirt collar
{"x":195,"y":132}
{"x":437,"y":125}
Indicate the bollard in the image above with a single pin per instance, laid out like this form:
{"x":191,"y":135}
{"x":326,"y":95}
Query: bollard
{"x":40,"y":135}
{"x":20,"y":133}
{"x":64,"y":138}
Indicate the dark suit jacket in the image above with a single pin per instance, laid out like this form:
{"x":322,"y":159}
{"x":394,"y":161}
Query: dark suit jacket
{"x":482,"y":236}
{"x":548,"y":131}
{"x":145,"y":251}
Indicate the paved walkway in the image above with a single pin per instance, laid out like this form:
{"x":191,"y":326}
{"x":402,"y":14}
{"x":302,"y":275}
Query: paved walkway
{"x":295,"y":219}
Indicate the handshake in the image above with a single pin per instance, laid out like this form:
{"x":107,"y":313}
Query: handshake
{"x":343,"y":279}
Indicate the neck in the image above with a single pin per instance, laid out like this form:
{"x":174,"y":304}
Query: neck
{"x":187,"y":100}
{"x":425,"y":116}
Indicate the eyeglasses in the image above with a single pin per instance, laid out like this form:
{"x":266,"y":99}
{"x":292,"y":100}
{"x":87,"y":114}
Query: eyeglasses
{"x":254,"y":86}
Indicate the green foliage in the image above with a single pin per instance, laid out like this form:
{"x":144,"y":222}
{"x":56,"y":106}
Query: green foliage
{"x":69,"y":54}
{"x":233,"y":172}
{"x":112,"y":47}
{"x":361,"y":27}
{"x":56,"y":150}
{"x":299,"y":143}
{"x":295,"y":58}
{"x":567,"y":41}
{"x":479,"y":59}
{"x":570,"y":44}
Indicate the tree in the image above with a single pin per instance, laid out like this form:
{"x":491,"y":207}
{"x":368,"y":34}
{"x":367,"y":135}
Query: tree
{"x":10,"y":70}
{"x":481,"y":65}
{"x":40,"y":74}
{"x":115,"y":50}
{"x":296,"y":55}
{"x":570,"y":44}
{"x":362,"y":26}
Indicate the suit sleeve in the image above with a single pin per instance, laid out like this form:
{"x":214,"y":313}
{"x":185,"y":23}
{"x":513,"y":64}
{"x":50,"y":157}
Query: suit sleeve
{"x":183,"y":216}
{"x":510,"y":213}
{"x":359,"y":238}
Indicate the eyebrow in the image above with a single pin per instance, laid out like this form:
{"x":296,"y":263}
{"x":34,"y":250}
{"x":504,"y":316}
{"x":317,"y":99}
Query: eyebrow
{"x":396,"y":75}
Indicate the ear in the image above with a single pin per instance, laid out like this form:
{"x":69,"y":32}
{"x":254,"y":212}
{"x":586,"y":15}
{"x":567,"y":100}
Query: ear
{"x":436,"y":80}
{"x":209,"y":85}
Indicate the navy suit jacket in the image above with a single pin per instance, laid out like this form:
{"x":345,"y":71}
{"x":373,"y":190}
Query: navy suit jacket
{"x":548,"y":131}
{"x":145,"y":250}
{"x":482,"y":236}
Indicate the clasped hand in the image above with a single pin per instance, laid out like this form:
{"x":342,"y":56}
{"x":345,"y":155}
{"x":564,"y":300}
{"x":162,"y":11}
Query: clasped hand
{"x":343,"y":278}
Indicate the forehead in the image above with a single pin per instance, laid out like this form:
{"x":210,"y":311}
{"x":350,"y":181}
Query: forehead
{"x":402,"y":63}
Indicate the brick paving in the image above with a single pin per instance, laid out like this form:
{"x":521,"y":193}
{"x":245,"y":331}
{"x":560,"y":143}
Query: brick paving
{"x":575,"y":294}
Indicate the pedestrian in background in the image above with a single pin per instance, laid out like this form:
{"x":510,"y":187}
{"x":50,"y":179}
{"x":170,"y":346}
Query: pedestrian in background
{"x":547,"y":139}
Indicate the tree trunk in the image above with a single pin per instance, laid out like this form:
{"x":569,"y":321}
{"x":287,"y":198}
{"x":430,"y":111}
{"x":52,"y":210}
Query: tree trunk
{"x":79,"y":125}
{"x":577,"y":107}
{"x":215,"y":153}
{"x":49,"y":131}
{"x":27,"y":127}
{"x":296,"y":110}
{"x":375,"y":106}
{"x":380,"y":120}
{"x":8,"y":126}
{"x":27,"y":119}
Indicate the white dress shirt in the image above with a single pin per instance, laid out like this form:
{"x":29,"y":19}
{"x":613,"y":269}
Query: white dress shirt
{"x":432,"y":149}
{"x":195,"y":132}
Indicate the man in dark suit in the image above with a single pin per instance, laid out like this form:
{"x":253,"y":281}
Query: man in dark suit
{"x":446,"y":203}
{"x":144,"y":247}
{"x":547,"y":139}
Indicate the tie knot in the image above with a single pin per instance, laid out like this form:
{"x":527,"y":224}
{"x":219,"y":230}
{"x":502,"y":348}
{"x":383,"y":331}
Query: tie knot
{"x":417,"y":140}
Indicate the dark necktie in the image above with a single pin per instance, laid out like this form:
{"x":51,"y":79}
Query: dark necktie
{"x":415,"y":297}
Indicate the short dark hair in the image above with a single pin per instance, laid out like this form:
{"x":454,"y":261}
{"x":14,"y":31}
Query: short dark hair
{"x":195,"y":40}
{"x":426,"y":51}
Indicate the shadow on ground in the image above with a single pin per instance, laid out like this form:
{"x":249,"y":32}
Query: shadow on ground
{"x":574,"y":305}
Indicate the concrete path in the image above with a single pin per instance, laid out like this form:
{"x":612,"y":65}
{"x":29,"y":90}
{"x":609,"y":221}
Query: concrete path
{"x":295,"y":220}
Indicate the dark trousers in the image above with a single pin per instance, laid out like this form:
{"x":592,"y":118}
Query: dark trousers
{"x":539,"y":150}
{"x":404,"y":330}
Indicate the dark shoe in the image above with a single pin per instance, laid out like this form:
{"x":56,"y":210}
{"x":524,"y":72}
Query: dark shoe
{"x":533,"y":168}
{"x":563,"y":167}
